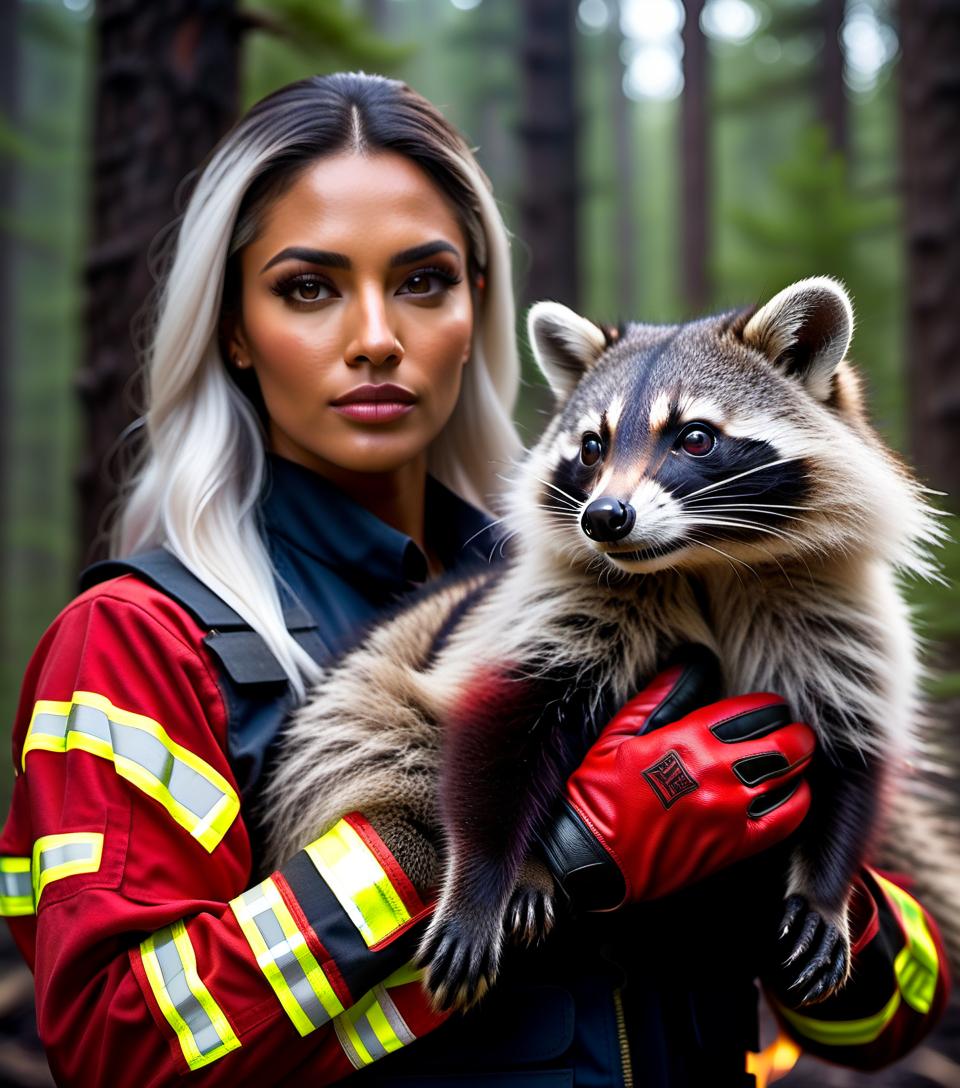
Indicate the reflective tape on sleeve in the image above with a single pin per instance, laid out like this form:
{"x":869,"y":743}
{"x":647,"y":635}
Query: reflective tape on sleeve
{"x":59,"y":856}
{"x":843,"y":1032}
{"x":202,"y":1030}
{"x":917,"y":965}
{"x":284,"y":957}
{"x":16,"y":887}
{"x":374,"y":1026}
{"x":196,"y":796}
{"x":355,"y":876}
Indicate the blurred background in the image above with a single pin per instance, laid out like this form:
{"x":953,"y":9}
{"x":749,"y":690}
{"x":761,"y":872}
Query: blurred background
{"x":653,"y":159}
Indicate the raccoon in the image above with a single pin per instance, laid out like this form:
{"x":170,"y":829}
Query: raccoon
{"x":713,"y":482}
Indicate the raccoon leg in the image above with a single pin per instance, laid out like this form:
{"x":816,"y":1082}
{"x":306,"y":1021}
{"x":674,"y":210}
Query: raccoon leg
{"x":505,"y":762}
{"x":815,"y":930}
{"x":410,"y":828}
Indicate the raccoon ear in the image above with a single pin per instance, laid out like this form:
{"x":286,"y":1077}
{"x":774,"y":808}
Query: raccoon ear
{"x":564,"y":344}
{"x":805,"y":331}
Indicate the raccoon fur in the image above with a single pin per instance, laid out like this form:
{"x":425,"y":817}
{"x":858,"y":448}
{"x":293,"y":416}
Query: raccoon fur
{"x":713,"y":482}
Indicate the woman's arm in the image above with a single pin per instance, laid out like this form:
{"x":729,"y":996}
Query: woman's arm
{"x":898,"y":989}
{"x":125,"y":874}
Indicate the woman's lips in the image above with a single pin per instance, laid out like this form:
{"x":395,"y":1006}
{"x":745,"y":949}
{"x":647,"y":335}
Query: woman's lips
{"x":375,"y":403}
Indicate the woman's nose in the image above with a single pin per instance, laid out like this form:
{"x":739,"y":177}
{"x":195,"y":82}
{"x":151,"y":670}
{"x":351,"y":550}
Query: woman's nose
{"x":374,"y":339}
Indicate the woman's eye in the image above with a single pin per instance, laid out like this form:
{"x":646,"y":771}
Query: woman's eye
{"x":591,"y":450}
{"x":697,"y":440}
{"x":304,"y":289}
{"x":428,"y":281}
{"x":309,"y":290}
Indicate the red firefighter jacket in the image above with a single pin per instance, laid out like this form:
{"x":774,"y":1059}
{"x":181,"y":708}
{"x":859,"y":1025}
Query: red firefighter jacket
{"x":126,"y":877}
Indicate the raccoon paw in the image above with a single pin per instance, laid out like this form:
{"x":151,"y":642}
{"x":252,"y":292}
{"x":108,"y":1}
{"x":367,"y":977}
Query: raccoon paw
{"x":818,"y":959}
{"x":460,"y":954}
{"x":530,"y":913}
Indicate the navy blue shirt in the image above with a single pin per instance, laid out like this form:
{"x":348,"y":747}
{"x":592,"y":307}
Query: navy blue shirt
{"x":346,"y":565}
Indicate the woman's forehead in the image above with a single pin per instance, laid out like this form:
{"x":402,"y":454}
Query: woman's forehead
{"x":351,"y":201}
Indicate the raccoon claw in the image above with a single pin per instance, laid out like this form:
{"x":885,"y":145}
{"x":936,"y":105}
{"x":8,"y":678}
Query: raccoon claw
{"x":530,"y":915}
{"x":823,"y":948}
{"x":460,"y":963}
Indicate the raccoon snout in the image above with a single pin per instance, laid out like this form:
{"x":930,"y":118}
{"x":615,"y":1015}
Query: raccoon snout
{"x":608,"y":519}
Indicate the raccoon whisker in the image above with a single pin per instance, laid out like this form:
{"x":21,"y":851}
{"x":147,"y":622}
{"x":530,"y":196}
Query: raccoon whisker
{"x":749,"y":494}
{"x":485,"y":529}
{"x":740,"y":509}
{"x":574,"y":502}
{"x":735,"y":524}
{"x":739,"y":476}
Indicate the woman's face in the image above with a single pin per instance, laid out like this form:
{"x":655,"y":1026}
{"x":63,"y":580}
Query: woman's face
{"x":356,"y":314}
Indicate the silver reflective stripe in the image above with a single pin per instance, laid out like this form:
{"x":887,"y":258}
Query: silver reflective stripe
{"x":175,"y":982}
{"x":184,"y":784}
{"x":16,"y":885}
{"x":348,"y":1048}
{"x":375,"y":1048}
{"x":392,"y":1013}
{"x":60,"y":855}
{"x":287,"y":963}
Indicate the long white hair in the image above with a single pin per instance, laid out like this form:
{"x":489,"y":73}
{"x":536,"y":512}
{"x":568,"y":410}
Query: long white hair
{"x":201,"y":471}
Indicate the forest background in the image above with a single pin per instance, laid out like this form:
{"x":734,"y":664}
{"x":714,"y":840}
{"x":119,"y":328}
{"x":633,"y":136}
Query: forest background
{"x":653,"y":159}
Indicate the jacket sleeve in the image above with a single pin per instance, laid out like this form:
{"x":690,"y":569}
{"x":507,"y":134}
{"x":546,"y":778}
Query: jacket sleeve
{"x":899,"y":983}
{"x":126,"y":879}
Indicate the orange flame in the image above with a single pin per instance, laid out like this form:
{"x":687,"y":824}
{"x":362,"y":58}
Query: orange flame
{"x":773,"y":1062}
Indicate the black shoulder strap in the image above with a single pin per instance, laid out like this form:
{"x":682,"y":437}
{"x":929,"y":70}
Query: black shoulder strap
{"x":242,"y":653}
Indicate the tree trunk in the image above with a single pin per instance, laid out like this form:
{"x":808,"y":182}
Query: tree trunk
{"x":831,"y":93}
{"x":166,"y":89}
{"x":624,"y":242}
{"x":10,"y":111}
{"x":930,"y":158}
{"x":694,"y":158}
{"x":548,"y":137}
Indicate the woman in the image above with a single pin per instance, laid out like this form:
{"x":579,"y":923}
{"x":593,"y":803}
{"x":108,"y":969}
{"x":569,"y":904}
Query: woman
{"x":336,"y":322}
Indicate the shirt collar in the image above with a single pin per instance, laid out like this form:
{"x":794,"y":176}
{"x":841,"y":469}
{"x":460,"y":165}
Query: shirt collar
{"x":315,"y":516}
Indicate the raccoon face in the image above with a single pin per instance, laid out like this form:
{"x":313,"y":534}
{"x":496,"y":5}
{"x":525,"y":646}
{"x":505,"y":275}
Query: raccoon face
{"x":734,"y":439}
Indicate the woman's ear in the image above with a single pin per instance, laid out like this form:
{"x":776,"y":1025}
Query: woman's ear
{"x":233,"y":342}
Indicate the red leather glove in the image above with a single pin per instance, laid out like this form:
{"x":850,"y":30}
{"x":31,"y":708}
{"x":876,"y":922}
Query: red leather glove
{"x":669,"y":794}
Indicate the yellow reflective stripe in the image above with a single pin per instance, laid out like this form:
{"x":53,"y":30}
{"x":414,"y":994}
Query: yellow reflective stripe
{"x":59,"y":856}
{"x":16,"y":887}
{"x":194,"y":793}
{"x":374,"y":1026}
{"x":202,"y":1030}
{"x":917,"y":965}
{"x":357,"y":879}
{"x":284,"y":957}
{"x":843,"y":1032}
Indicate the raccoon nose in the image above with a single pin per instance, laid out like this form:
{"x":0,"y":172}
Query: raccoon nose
{"x":608,"y":519}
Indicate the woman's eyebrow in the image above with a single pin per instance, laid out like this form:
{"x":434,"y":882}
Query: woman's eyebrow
{"x":314,"y":256}
{"x":417,"y":253}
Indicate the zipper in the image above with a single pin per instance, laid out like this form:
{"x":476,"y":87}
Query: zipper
{"x":625,"y":1062}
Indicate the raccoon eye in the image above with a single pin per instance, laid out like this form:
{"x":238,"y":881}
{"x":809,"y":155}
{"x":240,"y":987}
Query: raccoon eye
{"x":697,"y":439}
{"x":591,"y":449}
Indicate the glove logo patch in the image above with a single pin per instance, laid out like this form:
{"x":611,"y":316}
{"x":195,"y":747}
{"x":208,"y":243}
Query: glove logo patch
{"x":669,"y":779}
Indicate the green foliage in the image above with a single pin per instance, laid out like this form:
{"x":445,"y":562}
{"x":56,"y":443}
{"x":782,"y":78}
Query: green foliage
{"x":293,"y":39}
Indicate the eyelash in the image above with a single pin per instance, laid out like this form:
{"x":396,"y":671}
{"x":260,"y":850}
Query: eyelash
{"x":286,"y":287}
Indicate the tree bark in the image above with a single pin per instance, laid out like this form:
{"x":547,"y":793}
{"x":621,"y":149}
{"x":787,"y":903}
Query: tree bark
{"x":548,"y":138}
{"x":10,"y":111}
{"x":166,"y":89}
{"x":930,"y":165}
{"x":695,"y":162}
{"x":831,"y":92}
